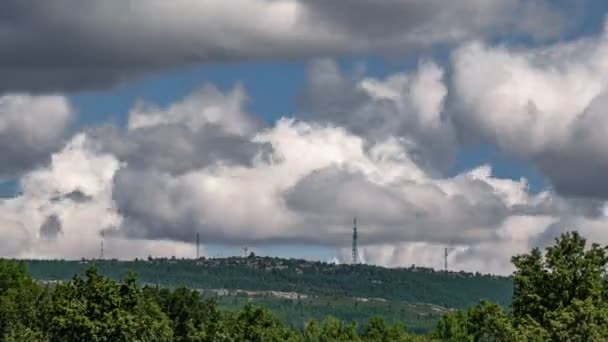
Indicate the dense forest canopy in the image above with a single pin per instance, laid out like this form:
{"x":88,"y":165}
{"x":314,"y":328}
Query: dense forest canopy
{"x":558,"y":295}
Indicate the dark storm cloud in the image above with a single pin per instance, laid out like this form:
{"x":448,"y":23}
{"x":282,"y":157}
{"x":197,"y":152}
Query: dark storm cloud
{"x":579,"y":168}
{"x":395,"y":18}
{"x":72,"y":45}
{"x":176,"y":149}
{"x":31,"y":129}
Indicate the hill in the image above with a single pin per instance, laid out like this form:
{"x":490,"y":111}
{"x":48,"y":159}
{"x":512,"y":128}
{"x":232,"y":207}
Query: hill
{"x":296,"y":289}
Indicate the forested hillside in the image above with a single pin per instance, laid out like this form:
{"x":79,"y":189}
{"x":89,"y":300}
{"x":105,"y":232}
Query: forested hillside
{"x":413,"y":285}
{"x":298,"y":290}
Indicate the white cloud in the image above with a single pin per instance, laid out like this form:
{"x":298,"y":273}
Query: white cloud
{"x":318,"y":178}
{"x":409,"y":106}
{"x":207,"y":106}
{"x":513,"y":237}
{"x":545,"y":105}
{"x":77,"y":168}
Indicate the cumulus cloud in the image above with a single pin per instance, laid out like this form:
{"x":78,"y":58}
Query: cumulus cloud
{"x":205,"y":127}
{"x":545,"y":105}
{"x":31,"y":128}
{"x":405,"y":105}
{"x":73,"y":45}
{"x":318,"y":177}
{"x":65,"y":207}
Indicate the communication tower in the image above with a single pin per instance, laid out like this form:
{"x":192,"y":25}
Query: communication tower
{"x":355,"y":248}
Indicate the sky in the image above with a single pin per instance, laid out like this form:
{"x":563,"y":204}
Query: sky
{"x":476,"y":125}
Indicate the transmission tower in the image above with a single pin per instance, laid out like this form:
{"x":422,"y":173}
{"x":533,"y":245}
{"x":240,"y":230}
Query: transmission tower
{"x":447,"y":251}
{"x":198,"y":245}
{"x":101,"y":251}
{"x":355,"y":249}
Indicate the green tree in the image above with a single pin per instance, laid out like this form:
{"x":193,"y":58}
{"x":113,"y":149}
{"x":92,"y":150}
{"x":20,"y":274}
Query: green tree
{"x":258,"y":324}
{"x":312,"y":331}
{"x":488,"y":322}
{"x":563,"y":294}
{"x":22,"y":303}
{"x":376,"y":329}
{"x":334,"y":330}
{"x":453,"y":327}
{"x":98,"y":309}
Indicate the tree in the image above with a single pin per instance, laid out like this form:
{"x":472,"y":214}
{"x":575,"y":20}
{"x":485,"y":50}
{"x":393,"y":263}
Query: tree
{"x":376,"y":329}
{"x":257,"y":324}
{"x":22,"y":303}
{"x":13,"y":275}
{"x":453,"y":327}
{"x":334,"y":330}
{"x":488,"y":322}
{"x":563,"y":294}
{"x":312,"y":331}
{"x":98,"y":309}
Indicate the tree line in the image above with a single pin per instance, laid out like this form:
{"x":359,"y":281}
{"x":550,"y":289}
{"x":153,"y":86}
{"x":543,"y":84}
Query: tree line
{"x":558,"y":295}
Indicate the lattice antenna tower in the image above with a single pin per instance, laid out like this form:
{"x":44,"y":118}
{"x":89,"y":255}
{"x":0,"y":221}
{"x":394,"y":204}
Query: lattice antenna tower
{"x":198,"y":246}
{"x":355,"y":248}
{"x":447,"y":251}
{"x":101,"y":249}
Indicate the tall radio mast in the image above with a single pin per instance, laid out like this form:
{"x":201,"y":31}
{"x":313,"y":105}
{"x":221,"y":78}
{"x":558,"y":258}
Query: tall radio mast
{"x":101,"y":251}
{"x":198,"y":244}
{"x":355,"y":249}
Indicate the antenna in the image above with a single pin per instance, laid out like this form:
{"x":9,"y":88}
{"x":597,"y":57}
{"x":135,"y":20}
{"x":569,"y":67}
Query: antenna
{"x":447,"y":251}
{"x":198,"y":245}
{"x":355,"y":250}
{"x":101,"y":251}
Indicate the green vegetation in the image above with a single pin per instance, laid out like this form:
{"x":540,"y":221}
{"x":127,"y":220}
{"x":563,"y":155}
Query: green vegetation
{"x":561,"y":295}
{"x":297,"y":290}
{"x":413,"y":285}
{"x":96,"y":308}
{"x":419,"y":318}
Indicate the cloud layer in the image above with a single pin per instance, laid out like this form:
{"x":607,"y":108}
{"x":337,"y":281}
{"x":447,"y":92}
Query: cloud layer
{"x":73,"y":45}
